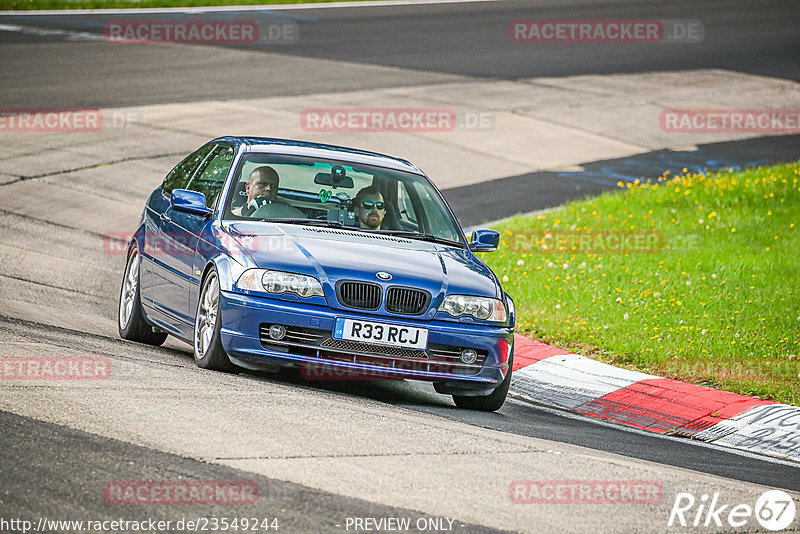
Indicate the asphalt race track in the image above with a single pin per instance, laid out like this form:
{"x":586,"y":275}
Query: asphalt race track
{"x":430,"y":43}
{"x":324,"y":453}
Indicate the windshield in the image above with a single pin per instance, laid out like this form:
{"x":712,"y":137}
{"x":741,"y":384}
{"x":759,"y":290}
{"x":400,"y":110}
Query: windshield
{"x":302,"y":190}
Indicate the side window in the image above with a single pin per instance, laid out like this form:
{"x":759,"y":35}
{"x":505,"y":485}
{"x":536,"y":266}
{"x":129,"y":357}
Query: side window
{"x":211,"y":176}
{"x":405,"y":206}
{"x":178,"y":178}
{"x":437,"y":220}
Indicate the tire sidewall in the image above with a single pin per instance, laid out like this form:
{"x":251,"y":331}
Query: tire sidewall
{"x":494,"y":400}
{"x":129,"y":326}
{"x":215,"y":338}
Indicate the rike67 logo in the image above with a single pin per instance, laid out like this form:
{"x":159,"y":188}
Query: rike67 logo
{"x":774,"y":510}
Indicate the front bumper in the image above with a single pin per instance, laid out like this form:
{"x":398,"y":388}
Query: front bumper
{"x":310,"y":345}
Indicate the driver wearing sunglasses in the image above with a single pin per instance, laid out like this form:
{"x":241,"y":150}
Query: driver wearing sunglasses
{"x":370,"y":208}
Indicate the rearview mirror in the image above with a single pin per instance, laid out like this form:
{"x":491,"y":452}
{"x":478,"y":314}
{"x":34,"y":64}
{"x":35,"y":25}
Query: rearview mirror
{"x":484,"y":240}
{"x":336,"y":178}
{"x":324,"y":178}
{"x":189,"y":202}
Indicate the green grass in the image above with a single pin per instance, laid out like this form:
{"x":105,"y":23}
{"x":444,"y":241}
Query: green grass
{"x":712,"y":298}
{"x":19,"y":5}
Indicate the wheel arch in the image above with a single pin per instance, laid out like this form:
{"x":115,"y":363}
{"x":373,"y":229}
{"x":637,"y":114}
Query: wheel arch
{"x":227,"y":271}
{"x":137,"y":239}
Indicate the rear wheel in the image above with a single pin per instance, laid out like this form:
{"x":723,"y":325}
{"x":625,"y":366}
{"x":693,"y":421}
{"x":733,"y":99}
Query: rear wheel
{"x":130,"y":319}
{"x":208,"y":351}
{"x":491,"y":402}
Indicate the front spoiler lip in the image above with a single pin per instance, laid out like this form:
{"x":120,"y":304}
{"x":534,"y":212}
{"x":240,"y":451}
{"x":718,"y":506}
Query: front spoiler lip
{"x":268,"y":358}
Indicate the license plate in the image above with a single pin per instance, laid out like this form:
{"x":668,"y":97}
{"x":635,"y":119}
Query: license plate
{"x":381,"y":333}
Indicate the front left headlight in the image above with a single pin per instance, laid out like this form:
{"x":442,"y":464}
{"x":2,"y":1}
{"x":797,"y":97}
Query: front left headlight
{"x":277,"y":282}
{"x":483,"y":308}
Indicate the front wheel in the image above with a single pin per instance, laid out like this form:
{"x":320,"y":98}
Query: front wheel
{"x":491,"y":402}
{"x":130,"y":319}
{"x":208,"y":350}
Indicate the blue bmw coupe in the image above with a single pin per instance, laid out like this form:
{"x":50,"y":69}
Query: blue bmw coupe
{"x":263,"y":253}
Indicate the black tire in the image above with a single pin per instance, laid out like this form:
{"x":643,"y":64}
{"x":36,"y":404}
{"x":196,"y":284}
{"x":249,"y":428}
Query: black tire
{"x":494,"y":400}
{"x":130,"y":317}
{"x":209,"y":353}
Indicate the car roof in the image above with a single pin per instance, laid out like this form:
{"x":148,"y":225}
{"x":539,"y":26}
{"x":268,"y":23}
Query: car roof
{"x":304,"y":148}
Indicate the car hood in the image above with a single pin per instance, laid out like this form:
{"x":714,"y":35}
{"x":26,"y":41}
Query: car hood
{"x":331,"y":254}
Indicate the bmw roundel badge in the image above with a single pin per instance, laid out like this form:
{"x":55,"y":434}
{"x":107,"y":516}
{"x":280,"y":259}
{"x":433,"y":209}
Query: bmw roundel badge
{"x":383,"y":275}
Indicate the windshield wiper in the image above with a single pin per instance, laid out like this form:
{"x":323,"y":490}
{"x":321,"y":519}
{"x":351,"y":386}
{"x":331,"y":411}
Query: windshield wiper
{"x":396,"y":233}
{"x":311,"y":222}
{"x":423,"y":237}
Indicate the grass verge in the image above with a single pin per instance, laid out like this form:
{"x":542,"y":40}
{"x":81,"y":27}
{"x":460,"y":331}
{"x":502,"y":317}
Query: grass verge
{"x":694,"y":278}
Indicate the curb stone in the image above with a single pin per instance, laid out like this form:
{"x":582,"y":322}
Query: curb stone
{"x":553,"y":376}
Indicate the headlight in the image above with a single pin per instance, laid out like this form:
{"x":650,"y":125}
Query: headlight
{"x":479,"y":307}
{"x":277,"y":282}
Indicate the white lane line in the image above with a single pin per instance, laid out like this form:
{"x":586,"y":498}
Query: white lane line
{"x":263,"y":7}
{"x":44,"y":32}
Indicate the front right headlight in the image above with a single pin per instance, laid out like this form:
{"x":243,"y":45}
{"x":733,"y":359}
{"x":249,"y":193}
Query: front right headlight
{"x":484,"y":308}
{"x":277,"y":282}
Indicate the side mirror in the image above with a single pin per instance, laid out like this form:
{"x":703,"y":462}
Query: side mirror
{"x":484,"y":241}
{"x":189,"y":202}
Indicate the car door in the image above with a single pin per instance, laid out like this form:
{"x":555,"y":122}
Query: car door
{"x":161,"y":282}
{"x":209,"y":180}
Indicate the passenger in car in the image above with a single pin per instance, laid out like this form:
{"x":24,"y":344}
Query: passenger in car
{"x":370,"y":208}
{"x":262,"y":197}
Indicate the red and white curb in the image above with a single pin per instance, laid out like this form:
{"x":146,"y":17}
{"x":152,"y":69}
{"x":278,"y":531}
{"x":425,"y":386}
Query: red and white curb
{"x":581,"y":385}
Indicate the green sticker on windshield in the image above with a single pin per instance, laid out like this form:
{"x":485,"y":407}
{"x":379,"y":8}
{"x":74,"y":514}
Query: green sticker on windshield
{"x":325,"y":195}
